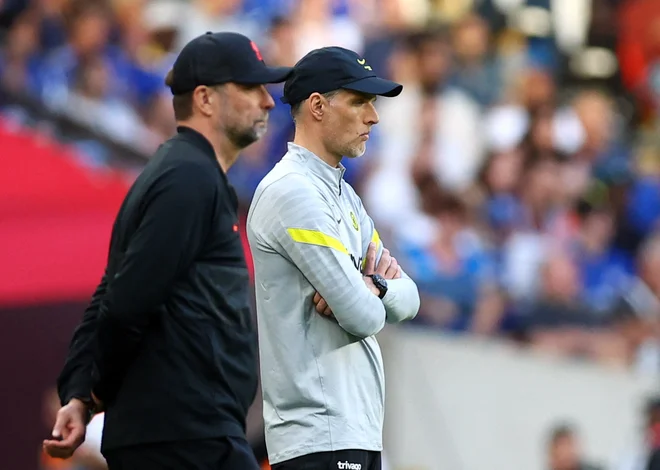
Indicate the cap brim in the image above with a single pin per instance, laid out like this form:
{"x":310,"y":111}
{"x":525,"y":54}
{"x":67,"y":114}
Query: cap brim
{"x":375,"y":86}
{"x":266,"y":75}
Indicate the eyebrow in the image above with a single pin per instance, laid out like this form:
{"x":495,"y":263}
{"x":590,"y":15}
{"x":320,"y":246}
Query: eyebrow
{"x":365,"y":96}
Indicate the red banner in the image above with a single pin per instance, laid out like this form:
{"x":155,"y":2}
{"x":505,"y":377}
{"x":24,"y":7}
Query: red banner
{"x":55,"y":220}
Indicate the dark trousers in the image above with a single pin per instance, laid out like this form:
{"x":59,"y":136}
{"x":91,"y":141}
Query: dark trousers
{"x":227,"y":453}
{"x":338,"y":460}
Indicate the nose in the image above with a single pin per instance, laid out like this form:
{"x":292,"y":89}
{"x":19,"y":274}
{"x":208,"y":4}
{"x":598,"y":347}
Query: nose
{"x":267,"y":103}
{"x":372,"y":115}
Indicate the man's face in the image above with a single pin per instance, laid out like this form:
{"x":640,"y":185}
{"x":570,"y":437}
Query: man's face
{"x":564,"y":454}
{"x":434,"y":61}
{"x":241,"y":112}
{"x":348,"y":121}
{"x":90,"y":33}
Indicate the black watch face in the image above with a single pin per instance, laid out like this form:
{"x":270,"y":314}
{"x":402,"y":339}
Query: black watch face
{"x":380,"y":283}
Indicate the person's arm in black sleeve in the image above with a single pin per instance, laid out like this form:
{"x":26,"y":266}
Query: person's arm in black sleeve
{"x":176,"y":215}
{"x":75,"y":379}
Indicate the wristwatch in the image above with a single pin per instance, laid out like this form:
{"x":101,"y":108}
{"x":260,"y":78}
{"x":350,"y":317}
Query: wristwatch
{"x":380,"y":283}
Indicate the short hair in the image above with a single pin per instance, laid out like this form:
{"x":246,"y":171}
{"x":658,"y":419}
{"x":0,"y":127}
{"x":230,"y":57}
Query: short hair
{"x":561,"y":431}
{"x":182,"y":104}
{"x":77,"y":9}
{"x":295,"y":108}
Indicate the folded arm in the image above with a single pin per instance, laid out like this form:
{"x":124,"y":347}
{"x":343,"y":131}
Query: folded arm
{"x":306,"y":232}
{"x":402,"y":298}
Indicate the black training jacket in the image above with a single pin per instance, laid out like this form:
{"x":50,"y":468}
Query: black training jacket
{"x":168,"y":341}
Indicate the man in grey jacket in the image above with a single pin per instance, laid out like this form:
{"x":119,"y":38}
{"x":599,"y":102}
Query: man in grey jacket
{"x":325,"y":285}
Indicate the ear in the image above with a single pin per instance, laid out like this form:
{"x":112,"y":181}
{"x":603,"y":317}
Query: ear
{"x":316,"y":104}
{"x":203,"y":99}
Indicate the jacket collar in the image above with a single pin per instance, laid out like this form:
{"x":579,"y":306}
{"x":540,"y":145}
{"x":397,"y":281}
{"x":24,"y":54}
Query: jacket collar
{"x":197,"y":139}
{"x":332,"y":176}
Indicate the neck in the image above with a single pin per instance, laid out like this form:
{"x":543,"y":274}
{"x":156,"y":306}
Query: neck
{"x":225,"y":151}
{"x":314,"y":144}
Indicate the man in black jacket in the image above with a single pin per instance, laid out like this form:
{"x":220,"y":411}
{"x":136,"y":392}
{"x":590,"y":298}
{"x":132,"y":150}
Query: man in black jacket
{"x":167,"y":346}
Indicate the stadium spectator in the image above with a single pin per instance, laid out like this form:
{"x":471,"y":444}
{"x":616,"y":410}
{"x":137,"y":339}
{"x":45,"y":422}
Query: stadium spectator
{"x":564,"y":451}
{"x":509,"y":144}
{"x":517,"y":176}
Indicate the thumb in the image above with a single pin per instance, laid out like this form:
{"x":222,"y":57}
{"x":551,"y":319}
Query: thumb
{"x":58,"y":429}
{"x":370,"y":265}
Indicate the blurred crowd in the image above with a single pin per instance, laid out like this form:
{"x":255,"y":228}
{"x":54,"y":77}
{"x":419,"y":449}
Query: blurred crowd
{"x":517,"y":178}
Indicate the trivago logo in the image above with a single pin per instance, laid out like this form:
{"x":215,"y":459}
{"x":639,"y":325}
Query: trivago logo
{"x":349,"y":466}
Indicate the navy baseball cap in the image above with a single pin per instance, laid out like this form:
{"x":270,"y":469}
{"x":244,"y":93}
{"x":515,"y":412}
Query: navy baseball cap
{"x":216,"y":58}
{"x":333,"y":68}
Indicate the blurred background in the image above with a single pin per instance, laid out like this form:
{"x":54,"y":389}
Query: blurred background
{"x":516,"y":179}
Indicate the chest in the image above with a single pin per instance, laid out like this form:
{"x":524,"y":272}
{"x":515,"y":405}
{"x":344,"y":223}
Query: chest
{"x":346,"y":217}
{"x":224,"y":242}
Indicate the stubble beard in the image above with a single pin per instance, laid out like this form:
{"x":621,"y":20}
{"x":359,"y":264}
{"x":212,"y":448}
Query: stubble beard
{"x":243,"y":138}
{"x":356,"y":150}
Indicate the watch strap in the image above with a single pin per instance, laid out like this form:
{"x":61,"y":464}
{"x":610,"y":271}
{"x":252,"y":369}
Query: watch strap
{"x":380,"y":284}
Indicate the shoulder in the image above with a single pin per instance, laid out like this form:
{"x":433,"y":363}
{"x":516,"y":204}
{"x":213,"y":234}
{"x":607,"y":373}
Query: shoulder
{"x":198,"y":172}
{"x":182,"y":155}
{"x":179,"y":172}
{"x":288,"y":199}
{"x":285,"y":185}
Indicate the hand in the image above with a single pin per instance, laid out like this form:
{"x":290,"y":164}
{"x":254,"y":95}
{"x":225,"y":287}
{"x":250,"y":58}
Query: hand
{"x":321,"y":305}
{"x":388,"y":267}
{"x":370,"y":284}
{"x":70,"y":427}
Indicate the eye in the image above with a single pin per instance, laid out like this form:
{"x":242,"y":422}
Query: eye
{"x":249,"y":87}
{"x":361,"y":101}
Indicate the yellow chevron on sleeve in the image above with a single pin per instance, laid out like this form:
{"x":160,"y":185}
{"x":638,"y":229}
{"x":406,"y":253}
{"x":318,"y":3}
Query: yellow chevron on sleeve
{"x":314,"y":237}
{"x":375,"y":238}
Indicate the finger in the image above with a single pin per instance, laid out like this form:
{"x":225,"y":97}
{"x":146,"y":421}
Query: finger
{"x":370,"y":265}
{"x":384,"y":263}
{"x":57,"y":445}
{"x":392,"y":270}
{"x":321,"y":306}
{"x":327,"y":312}
{"x":60,"y":425}
{"x":72,"y":434}
{"x":57,"y":450}
{"x":75,"y":437}
{"x":60,"y":453}
{"x":398,"y":273}
{"x":317,"y":297}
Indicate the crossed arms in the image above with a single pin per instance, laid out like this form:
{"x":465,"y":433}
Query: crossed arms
{"x":299,"y":224}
